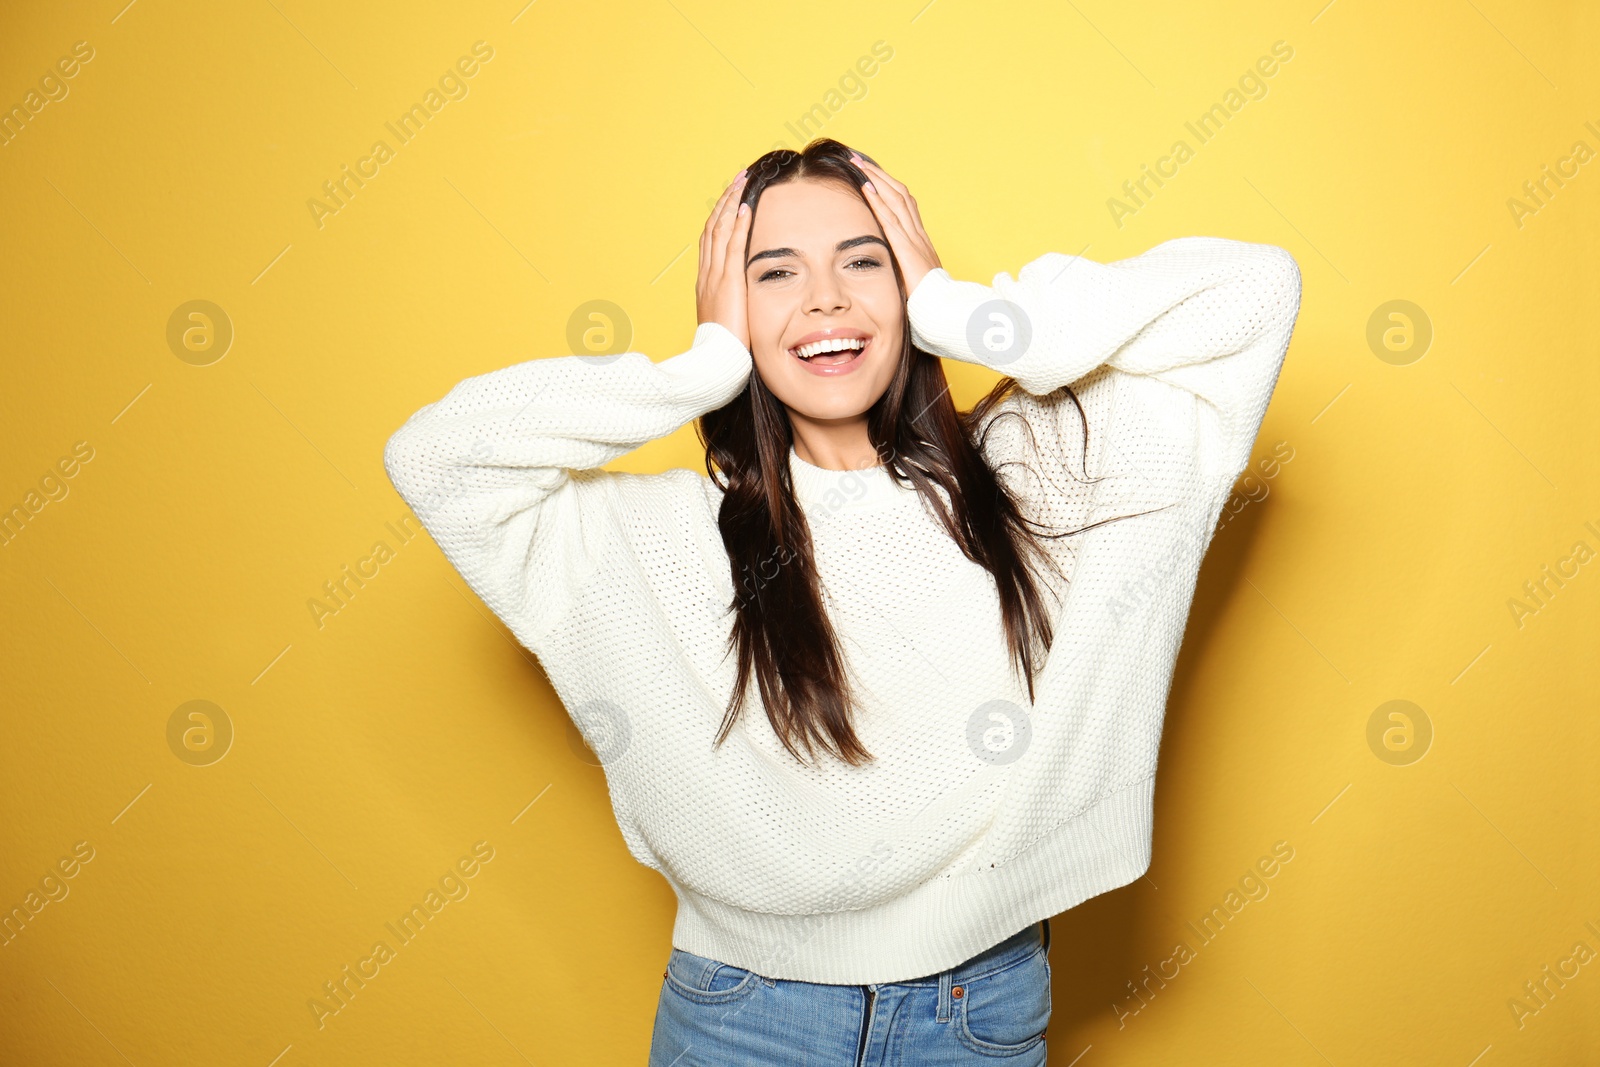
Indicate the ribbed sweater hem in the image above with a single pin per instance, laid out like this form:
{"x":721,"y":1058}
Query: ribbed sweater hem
{"x":941,"y":923}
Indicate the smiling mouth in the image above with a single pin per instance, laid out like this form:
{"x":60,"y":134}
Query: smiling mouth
{"x":831,"y":352}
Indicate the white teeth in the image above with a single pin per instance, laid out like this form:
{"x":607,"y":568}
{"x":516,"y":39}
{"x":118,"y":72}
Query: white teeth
{"x":835,"y":344}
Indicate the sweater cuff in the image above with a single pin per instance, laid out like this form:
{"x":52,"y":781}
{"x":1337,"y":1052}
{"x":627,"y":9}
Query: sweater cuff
{"x":715,"y":332}
{"x":713,"y":370}
{"x":950,"y":318}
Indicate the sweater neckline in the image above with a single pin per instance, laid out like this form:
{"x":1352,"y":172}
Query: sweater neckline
{"x":868,"y":489}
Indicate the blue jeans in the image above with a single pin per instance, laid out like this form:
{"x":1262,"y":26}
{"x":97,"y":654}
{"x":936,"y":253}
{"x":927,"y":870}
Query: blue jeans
{"x":992,"y":1007}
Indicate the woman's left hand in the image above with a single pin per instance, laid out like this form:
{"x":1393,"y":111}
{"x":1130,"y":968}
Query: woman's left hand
{"x":896,"y":210}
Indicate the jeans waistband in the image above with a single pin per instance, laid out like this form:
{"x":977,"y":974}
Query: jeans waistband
{"x":1018,"y":946}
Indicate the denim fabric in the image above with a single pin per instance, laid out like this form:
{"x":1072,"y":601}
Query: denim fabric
{"x":992,"y":1007}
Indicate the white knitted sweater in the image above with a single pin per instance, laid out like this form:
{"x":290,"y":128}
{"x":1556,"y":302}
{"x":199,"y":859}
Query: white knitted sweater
{"x":981,"y":813}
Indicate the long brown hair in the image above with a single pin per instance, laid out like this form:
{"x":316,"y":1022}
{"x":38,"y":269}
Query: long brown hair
{"x":780,"y":628}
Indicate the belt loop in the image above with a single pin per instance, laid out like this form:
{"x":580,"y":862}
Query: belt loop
{"x":1046,"y":936}
{"x":946,"y":980}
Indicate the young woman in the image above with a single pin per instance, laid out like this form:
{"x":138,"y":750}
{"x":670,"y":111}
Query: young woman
{"x":883,"y":690}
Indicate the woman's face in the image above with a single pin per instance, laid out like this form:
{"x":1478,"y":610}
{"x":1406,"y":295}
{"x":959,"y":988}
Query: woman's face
{"x":819,"y":269}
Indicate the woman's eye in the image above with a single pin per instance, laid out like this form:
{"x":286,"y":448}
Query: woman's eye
{"x":859,"y":263}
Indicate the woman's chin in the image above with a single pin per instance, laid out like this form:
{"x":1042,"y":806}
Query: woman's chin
{"x":829,"y":402}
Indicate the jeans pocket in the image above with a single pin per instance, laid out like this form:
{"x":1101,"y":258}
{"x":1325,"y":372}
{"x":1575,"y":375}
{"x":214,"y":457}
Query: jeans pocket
{"x":1004,"y":1013}
{"x":707,"y":981}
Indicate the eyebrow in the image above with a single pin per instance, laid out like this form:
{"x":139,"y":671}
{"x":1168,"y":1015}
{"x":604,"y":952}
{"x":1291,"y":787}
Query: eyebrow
{"x":851,"y":242}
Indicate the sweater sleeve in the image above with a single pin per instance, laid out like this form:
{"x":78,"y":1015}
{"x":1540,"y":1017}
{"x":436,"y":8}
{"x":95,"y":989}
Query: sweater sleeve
{"x":502,"y":471}
{"x":1210,"y":316}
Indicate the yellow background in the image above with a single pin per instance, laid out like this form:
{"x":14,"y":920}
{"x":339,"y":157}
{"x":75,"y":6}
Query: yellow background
{"x":370,"y":753}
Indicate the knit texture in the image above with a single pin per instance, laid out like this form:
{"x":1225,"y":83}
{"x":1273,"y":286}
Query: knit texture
{"x":982,"y":812}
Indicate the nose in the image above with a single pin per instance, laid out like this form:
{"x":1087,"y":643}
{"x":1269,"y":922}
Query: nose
{"x":825,"y":295}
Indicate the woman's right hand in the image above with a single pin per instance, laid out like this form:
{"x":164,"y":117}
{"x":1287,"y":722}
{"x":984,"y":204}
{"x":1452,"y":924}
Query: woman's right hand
{"x":719,"y":292}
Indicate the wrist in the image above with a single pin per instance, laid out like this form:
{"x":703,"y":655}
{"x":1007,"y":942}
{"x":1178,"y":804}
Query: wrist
{"x":914,"y":273}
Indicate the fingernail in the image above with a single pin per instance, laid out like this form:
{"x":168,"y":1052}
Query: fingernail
{"x":744,"y":209}
{"x":869,"y":185}
{"x":742,"y":173}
